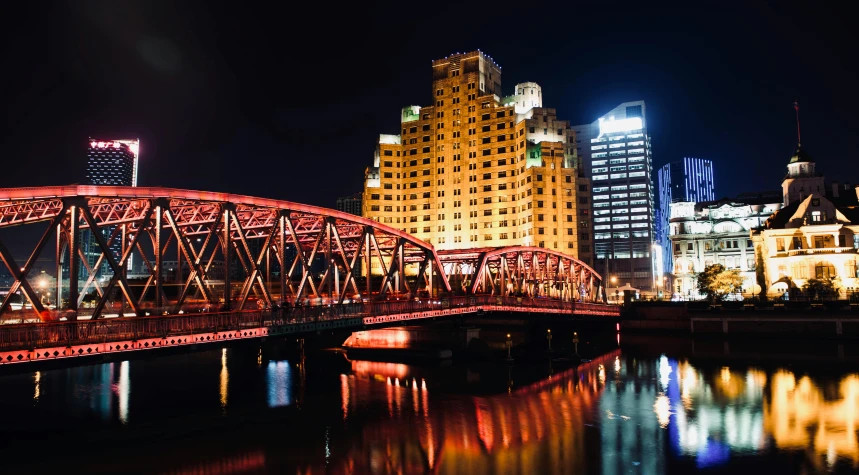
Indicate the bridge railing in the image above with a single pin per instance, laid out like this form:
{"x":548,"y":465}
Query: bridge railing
{"x":50,"y":334}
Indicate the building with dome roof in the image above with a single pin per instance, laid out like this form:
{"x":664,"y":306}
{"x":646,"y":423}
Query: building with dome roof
{"x":814,"y":235}
{"x":780,"y":239}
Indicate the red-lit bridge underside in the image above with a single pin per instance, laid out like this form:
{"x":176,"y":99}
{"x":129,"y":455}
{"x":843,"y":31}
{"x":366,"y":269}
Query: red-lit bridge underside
{"x":231,"y":251}
{"x":48,"y":341}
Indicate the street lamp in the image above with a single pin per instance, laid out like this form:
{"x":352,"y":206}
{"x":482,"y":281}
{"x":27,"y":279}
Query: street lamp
{"x":509,"y":344}
{"x":576,"y":342}
{"x":549,"y":337}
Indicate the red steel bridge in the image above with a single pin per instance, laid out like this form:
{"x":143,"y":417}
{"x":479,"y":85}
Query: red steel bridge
{"x":98,"y":252}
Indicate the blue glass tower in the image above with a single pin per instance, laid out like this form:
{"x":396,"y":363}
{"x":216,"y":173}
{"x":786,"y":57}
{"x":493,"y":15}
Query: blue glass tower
{"x":690,"y":179}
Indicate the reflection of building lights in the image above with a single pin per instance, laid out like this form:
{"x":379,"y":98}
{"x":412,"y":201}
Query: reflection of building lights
{"x":798,"y":416}
{"x":279,"y":383}
{"x":124,"y":390}
{"x":617,"y":364}
{"x":662,"y":409}
{"x":38,"y":379}
{"x":726,"y":374}
{"x":664,"y":372}
{"x":225,"y":378}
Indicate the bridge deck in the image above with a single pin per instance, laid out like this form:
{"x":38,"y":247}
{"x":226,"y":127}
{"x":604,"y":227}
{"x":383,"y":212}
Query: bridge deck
{"x":50,"y":341}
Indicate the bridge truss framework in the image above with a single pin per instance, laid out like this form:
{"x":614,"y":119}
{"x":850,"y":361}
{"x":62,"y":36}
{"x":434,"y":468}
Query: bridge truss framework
{"x":279,"y":252}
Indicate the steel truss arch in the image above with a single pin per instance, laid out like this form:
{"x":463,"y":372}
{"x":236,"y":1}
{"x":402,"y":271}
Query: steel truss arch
{"x":279,"y":252}
{"x":522,"y":271}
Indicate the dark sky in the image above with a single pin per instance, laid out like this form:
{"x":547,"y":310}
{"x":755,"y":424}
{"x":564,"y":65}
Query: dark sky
{"x":286,"y":101}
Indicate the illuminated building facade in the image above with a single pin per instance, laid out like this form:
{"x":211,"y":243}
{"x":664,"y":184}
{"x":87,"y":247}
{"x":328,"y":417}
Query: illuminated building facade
{"x":615,"y":151}
{"x":690,"y":179}
{"x":716,"y":232}
{"x":350,"y":204}
{"x":815,"y":235}
{"x":109,"y":162}
{"x":112,"y":162}
{"x":475,"y":169}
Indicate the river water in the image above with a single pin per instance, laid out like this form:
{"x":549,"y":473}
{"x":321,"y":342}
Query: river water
{"x":645,"y":408}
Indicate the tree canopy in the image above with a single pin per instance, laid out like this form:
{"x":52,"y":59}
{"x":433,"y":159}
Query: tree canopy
{"x":716,"y":282}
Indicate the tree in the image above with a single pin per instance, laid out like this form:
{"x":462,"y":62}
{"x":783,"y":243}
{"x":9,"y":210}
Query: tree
{"x":727,"y":282}
{"x":716,"y":282}
{"x":706,"y":278}
{"x":759,"y":272}
{"x":821,"y":288}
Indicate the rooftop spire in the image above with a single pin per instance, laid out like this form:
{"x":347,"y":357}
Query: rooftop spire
{"x":798,"y":137}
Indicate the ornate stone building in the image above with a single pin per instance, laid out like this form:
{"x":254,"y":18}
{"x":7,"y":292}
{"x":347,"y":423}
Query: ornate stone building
{"x":475,"y":169}
{"x":716,"y":232}
{"x":815,"y":235}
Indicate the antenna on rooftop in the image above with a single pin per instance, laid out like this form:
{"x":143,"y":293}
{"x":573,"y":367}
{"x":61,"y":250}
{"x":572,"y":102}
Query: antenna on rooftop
{"x":798,"y":137}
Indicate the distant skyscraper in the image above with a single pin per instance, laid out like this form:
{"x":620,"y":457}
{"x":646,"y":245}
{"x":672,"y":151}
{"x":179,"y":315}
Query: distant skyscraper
{"x":615,"y":151}
{"x":350,"y":204}
{"x":690,"y":179}
{"x":112,"y":162}
{"x":109,"y":162}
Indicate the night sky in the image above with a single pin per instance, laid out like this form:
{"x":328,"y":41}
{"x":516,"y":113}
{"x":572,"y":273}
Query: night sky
{"x":287,"y":101}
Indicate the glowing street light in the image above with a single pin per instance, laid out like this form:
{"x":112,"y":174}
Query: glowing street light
{"x":509,"y":344}
{"x":549,"y":337}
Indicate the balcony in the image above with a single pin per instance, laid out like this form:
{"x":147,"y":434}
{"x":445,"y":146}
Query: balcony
{"x":816,"y":250}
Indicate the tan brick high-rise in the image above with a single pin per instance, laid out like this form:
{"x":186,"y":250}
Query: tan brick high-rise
{"x":478,"y":170}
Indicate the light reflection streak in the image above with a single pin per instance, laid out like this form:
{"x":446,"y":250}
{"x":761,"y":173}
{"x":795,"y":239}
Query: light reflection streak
{"x":37,"y":378}
{"x":344,"y":395}
{"x":225,"y":379}
{"x":124,"y":391}
{"x":279,"y":383}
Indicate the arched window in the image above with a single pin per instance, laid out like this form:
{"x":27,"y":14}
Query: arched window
{"x":824,"y":270}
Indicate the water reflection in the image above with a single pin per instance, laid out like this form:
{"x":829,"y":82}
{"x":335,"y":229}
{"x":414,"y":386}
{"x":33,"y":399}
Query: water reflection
{"x":800,"y":416}
{"x":279,"y":383}
{"x":225,"y":379}
{"x":539,"y":428}
{"x":619,"y":413}
{"x":37,"y":378}
{"x":123,"y":390}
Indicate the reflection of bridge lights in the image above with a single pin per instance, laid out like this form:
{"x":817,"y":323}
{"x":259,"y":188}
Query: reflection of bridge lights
{"x":373,"y":368}
{"x":344,"y":395}
{"x":617,"y":364}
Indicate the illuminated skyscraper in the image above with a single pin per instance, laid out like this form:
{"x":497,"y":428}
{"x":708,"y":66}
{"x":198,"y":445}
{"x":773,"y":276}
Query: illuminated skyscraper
{"x":690,"y":179}
{"x":475,"y":169}
{"x":112,"y":162}
{"x":615,"y":151}
{"x":109,"y":162}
